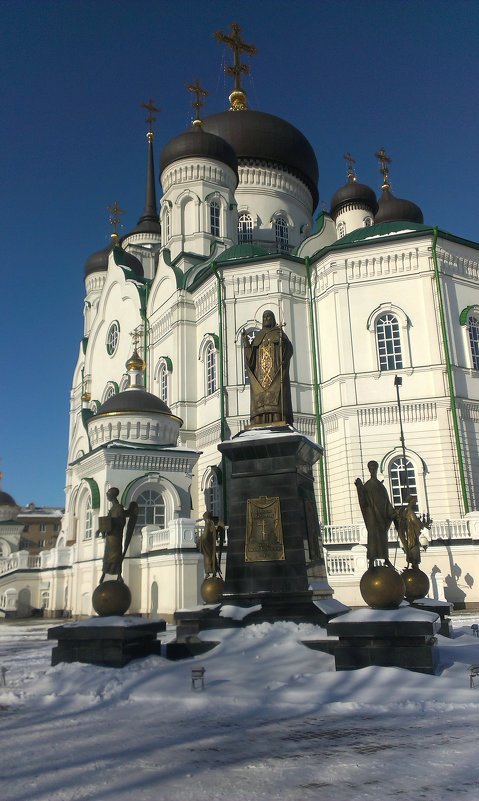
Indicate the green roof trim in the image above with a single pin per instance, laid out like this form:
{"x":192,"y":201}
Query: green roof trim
{"x":382,"y":229}
{"x":215,"y":339}
{"x":85,"y":416}
{"x":463,"y":317}
{"x":94,"y":492}
{"x":244,"y":251}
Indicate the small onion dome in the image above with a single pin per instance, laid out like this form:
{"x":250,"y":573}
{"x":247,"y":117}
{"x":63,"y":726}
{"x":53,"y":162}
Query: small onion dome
{"x":198,"y":143}
{"x":125,"y":259}
{"x":395,"y":208}
{"x":135,"y":362}
{"x":98,"y":262}
{"x":134,"y":400}
{"x":255,"y":135}
{"x":246,"y":250}
{"x":355,"y":193}
{"x":6,"y":499}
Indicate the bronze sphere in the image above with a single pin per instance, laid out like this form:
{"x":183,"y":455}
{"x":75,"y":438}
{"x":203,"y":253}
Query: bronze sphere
{"x":382,"y":588}
{"x":416,"y":583}
{"x":212,"y":589}
{"x":111,"y":598}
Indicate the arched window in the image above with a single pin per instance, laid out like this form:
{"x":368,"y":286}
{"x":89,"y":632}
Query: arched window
{"x":245,"y":229}
{"x":388,"y":342}
{"x":110,"y":390}
{"x":473,"y":331}
{"x":212,"y":493}
{"x":88,"y":531}
{"x":167,"y":225}
{"x":112,"y":337}
{"x":403,"y":481}
{"x":367,"y":221}
{"x":341,"y":229}
{"x":163,"y":382}
{"x":281,"y":233}
{"x":215,"y":218}
{"x":210,"y":365}
{"x":151,"y":509}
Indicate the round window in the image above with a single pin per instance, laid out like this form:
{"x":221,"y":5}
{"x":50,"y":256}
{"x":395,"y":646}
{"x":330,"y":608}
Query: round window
{"x":112,"y":338}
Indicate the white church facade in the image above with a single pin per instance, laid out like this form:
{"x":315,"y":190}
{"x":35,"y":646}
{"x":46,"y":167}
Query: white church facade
{"x":383,"y":314}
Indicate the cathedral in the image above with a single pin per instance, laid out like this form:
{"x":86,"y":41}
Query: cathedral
{"x":382,"y":310}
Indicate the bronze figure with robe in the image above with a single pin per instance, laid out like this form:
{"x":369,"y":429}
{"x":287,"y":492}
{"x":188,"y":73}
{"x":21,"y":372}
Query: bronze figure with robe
{"x":378,"y":514}
{"x":267,"y":360}
{"x":112,"y":526}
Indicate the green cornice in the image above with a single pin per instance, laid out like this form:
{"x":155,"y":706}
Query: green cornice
{"x":94,"y":492}
{"x":168,"y":362}
{"x":465,"y":314}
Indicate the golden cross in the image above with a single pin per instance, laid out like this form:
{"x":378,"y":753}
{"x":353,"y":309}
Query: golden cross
{"x":384,"y":161}
{"x":150,"y":119}
{"x":237,"y":45}
{"x":115,"y":213}
{"x":199,"y":92}
{"x":135,"y":337}
{"x":348,"y":157}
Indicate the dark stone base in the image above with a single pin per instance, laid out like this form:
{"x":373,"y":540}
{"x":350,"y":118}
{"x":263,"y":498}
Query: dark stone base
{"x":442,"y":608}
{"x":108,"y":642}
{"x":295,"y":608}
{"x":403,"y":637}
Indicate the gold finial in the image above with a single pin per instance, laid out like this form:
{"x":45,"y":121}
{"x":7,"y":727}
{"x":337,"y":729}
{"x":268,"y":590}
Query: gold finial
{"x":199,"y":92}
{"x":351,"y":174}
{"x":384,"y":161}
{"x":115,"y":213}
{"x":150,"y":119}
{"x":135,"y":363}
{"x":238,"y":97}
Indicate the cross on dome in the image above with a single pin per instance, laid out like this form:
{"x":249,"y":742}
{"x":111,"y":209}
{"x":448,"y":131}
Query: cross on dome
{"x":238,"y":46}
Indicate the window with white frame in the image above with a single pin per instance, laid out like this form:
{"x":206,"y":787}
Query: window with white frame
{"x":210,"y":367}
{"x":167,"y":225}
{"x":214,"y":218}
{"x":402,"y":476}
{"x":341,"y":229}
{"x":388,"y":342}
{"x":281,"y":233}
{"x":163,"y":382}
{"x":151,"y":509}
{"x":473,"y":331}
{"x":212,"y":494}
{"x":245,"y":229}
{"x":109,"y":392}
{"x":88,"y":530}
{"x":367,"y":221}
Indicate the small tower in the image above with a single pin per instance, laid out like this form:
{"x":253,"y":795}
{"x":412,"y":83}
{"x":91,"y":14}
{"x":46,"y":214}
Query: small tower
{"x":391,"y":208}
{"x":354,"y":205}
{"x":199,"y":175}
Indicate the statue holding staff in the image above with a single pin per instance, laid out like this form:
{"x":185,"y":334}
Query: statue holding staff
{"x":112,"y":527}
{"x":267,"y":360}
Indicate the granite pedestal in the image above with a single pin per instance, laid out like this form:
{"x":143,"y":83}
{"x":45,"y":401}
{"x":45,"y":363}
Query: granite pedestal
{"x":442,"y":608}
{"x":106,"y":641}
{"x":273,"y":534}
{"x":404,"y":637}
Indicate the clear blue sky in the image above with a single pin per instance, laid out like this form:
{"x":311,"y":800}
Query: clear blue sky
{"x":351,"y":75}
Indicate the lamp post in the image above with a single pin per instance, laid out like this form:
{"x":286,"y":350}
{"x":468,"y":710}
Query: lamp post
{"x":397,"y":384}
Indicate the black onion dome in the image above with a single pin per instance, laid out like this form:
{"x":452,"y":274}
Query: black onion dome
{"x":6,"y":499}
{"x":98,"y":262}
{"x":198,"y":143}
{"x":260,"y":136}
{"x":353,"y":192}
{"x":392,"y":208}
{"x":146,"y":227}
{"x":134,"y":400}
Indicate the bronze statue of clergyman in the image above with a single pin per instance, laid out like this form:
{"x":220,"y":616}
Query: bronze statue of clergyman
{"x":207,"y":545}
{"x":410,"y":526}
{"x":267,"y":360}
{"x":112,"y":527}
{"x":378,"y":514}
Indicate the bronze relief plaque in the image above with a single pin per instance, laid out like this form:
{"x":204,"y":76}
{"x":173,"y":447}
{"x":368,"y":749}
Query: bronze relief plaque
{"x":264,"y":532}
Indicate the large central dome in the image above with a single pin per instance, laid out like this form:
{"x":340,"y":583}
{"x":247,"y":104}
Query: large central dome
{"x":264,"y":137}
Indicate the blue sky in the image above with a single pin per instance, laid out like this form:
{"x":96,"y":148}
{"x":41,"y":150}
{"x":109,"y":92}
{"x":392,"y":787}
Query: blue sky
{"x":351,"y":75}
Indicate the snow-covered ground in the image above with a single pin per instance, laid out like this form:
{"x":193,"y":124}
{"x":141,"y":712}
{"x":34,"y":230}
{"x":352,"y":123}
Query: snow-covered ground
{"x":275,"y":721}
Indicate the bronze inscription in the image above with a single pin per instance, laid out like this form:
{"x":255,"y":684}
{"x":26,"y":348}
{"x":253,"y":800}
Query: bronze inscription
{"x":264,"y":532}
